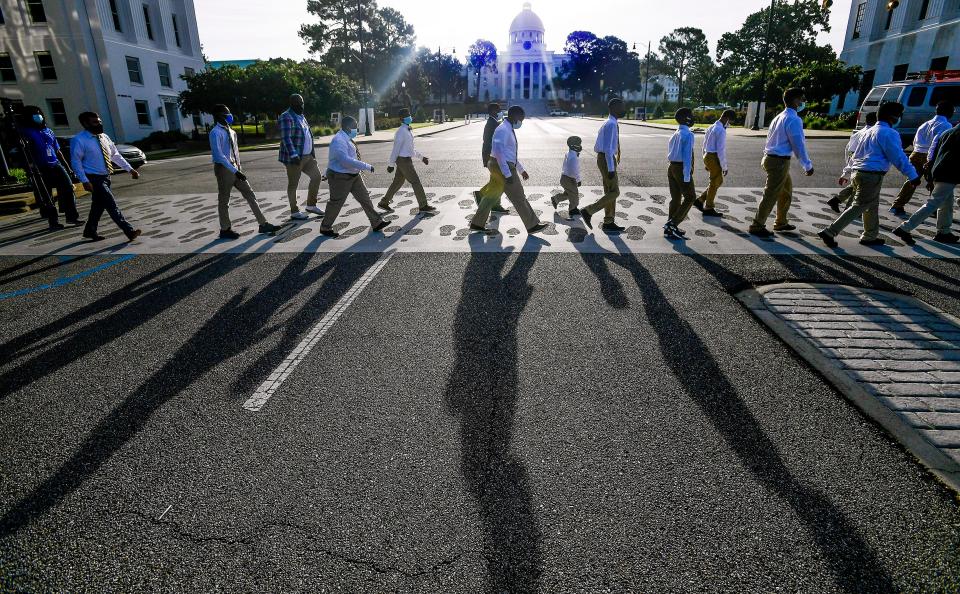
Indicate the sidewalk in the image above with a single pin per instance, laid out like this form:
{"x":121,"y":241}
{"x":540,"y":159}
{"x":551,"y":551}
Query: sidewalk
{"x":736,"y":130}
{"x":379,"y":136}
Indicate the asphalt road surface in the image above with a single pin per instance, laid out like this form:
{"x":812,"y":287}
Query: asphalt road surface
{"x":447,"y":422}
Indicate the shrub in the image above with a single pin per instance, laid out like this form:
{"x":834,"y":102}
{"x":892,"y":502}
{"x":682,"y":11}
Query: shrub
{"x":158,"y":140}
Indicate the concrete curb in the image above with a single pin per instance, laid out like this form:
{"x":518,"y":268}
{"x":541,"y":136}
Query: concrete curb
{"x":941,"y":465}
{"x":736,"y":132}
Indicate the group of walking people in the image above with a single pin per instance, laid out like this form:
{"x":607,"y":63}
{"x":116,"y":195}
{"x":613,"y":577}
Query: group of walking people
{"x":871,"y":152}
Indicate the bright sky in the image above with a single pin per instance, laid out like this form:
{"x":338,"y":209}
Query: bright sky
{"x":246,"y":29}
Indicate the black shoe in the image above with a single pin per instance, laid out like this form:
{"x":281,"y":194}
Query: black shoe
{"x":785,"y":227}
{"x":428,"y":209}
{"x":229,"y":234}
{"x":328,"y":232}
{"x":55,"y":226}
{"x":380,"y":226}
{"x":612,"y":228}
{"x":477,"y":197}
{"x":698,"y":204}
{"x":761,"y":232}
{"x":268,"y":228}
{"x":678,"y":230}
{"x":483,"y":230}
{"x":898,"y":210}
{"x":946,"y":238}
{"x":827,"y":239}
{"x":385,"y":207}
{"x":875,"y":242}
{"x":75,"y":222}
{"x":134,"y":234}
{"x":537,"y":228}
{"x":500,"y":209}
{"x":586,"y":218}
{"x":834,"y":204}
{"x":94,"y":236}
{"x":554,"y":202}
{"x":905,"y":236}
{"x":710,"y":212}
{"x":573,"y":212}
{"x":670,"y":232}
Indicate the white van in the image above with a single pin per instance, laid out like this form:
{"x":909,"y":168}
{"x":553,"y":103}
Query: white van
{"x":919,"y":94}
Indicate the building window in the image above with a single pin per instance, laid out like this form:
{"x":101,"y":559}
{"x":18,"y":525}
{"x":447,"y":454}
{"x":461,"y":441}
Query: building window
{"x":37,"y":13}
{"x":900,"y":71}
{"x":866,"y":84}
{"x":164,"y":69}
{"x":886,"y":27}
{"x":858,"y":24}
{"x":58,"y":112}
{"x":45,"y":62}
{"x":133,"y":70}
{"x":188,"y":72}
{"x":115,"y":13}
{"x":7,"y":73}
{"x":147,"y":23}
{"x":923,"y":9}
{"x":176,"y":30}
{"x":143,"y":112}
{"x":939,"y":63}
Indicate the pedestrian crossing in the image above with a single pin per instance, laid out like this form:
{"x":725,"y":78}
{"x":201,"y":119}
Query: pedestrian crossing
{"x":179,"y":224}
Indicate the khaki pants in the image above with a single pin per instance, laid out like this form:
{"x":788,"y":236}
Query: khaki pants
{"x":712,"y":163}
{"x":846,"y":195}
{"x":306,"y":165}
{"x":919,"y":161}
{"x":866,"y":203}
{"x":682,"y":194}
{"x":226,"y":181}
{"x":342,"y":185}
{"x":405,"y":172}
{"x":570,"y":191}
{"x":611,"y":191}
{"x":515,"y":195}
{"x":778,"y":191}
{"x":941,"y":202}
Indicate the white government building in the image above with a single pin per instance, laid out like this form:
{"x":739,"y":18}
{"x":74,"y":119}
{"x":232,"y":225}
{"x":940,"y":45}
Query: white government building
{"x":917,"y":35}
{"x":120,"y":58}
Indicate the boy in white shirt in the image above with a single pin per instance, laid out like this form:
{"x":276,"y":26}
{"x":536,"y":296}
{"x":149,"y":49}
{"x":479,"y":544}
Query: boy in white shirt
{"x":570,"y":178}
{"x":715,"y":160}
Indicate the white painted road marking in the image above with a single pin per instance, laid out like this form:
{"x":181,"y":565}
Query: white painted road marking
{"x":268,"y":388}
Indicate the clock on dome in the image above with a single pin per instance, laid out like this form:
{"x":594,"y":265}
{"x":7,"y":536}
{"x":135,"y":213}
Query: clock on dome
{"x":527,"y":45}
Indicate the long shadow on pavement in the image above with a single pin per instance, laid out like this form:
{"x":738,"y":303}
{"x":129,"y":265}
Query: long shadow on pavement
{"x":853,"y":563}
{"x":236,"y":326}
{"x":482,"y":392}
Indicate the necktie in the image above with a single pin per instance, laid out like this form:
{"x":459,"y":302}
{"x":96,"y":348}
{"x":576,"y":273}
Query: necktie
{"x":359,"y":158}
{"x":618,"y":144}
{"x":107,"y":161}
{"x":233,"y":150}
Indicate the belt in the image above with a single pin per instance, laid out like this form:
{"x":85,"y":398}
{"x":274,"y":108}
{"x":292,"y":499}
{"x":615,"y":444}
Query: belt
{"x":680,"y":163}
{"x":778,"y":157}
{"x":331,"y":172}
{"x":871,"y":172}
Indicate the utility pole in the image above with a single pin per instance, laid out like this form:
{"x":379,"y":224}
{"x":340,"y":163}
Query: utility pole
{"x":440,"y":83}
{"x":646,"y":84}
{"x":762,"y":94}
{"x":363,"y":71}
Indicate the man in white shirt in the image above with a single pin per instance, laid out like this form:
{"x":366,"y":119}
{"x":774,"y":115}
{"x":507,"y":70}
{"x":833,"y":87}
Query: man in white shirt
{"x":877,"y":149}
{"x":570,"y":177}
{"x":401,"y":159}
{"x":680,"y":174}
{"x":298,"y":156}
{"x":607,"y":148}
{"x":505,"y":171}
{"x":924,"y":137}
{"x":226,"y":167}
{"x":94,"y":157}
{"x":715,"y":160}
{"x":344,"y":178}
{"x":784,"y":138}
{"x":846,"y":194}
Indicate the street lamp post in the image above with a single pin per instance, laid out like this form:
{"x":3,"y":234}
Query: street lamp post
{"x":762,"y":94}
{"x":646,"y":81}
{"x":363,"y":72}
{"x":440,"y":82}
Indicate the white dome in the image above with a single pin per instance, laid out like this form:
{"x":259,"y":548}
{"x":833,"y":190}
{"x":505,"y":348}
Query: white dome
{"x":527,"y":20}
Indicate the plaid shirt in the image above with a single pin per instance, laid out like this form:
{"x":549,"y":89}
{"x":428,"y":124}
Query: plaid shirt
{"x":293,"y":134}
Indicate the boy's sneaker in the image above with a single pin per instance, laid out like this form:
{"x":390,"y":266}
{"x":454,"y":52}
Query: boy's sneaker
{"x":905,"y":236}
{"x":134,"y":234}
{"x":299,"y":216}
{"x":827,"y":239}
{"x":428,"y":209}
{"x":315,"y":210}
{"x":268,"y":228}
{"x":537,"y":228}
{"x":380,"y":226}
{"x":586,"y":218}
{"x":761,"y":232}
{"x":384,"y":206}
{"x":229,"y":234}
{"x":834,"y":204}
{"x":785,"y":227}
{"x":875,"y":242}
{"x":898,"y":210}
{"x":613,"y":228}
{"x":669,"y":232}
{"x":328,"y":232}
{"x":711,"y":212}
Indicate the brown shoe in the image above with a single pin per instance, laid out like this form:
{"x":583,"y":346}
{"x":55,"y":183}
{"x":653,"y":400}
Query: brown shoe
{"x":134,"y":234}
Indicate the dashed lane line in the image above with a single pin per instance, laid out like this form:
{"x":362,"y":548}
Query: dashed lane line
{"x":268,"y":388}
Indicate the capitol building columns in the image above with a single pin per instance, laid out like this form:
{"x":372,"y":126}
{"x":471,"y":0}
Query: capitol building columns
{"x":524,"y":80}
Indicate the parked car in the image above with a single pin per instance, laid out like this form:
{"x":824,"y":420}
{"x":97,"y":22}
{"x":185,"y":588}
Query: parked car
{"x":132,"y":154}
{"x":558,"y":113}
{"x":919,"y":95}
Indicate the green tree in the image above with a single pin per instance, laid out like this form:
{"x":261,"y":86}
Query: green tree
{"x":616,"y":65}
{"x":212,"y":86}
{"x":578,"y":74}
{"x":820,"y":80}
{"x":682,"y":49}
{"x":703,"y":82}
{"x":482,"y":54}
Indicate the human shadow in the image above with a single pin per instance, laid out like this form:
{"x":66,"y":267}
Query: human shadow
{"x":852,"y":562}
{"x":482,"y":393}
{"x":236,"y":326}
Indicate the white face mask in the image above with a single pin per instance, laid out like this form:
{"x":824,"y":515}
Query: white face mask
{"x":517,"y":125}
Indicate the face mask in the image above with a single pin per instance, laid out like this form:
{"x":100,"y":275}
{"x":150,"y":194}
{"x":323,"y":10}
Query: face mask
{"x":517,"y":125}
{"x":801,"y":107}
{"x":98,"y":129}
{"x":228,"y":118}
{"x":408,"y":120}
{"x":37,"y":118}
{"x":352,"y":133}
{"x":895,"y":123}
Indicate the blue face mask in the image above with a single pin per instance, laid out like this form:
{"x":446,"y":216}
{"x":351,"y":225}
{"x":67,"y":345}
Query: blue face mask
{"x":895,"y":123}
{"x":352,"y":133}
{"x":517,"y":125}
{"x":37,"y":118}
{"x":228,"y":118}
{"x":801,"y":107}
{"x":408,"y":120}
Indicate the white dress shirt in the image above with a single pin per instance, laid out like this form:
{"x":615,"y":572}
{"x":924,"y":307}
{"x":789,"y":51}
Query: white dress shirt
{"x":504,"y":148}
{"x":715,"y":141}
{"x":928,"y":131}
{"x":343,"y":156}
{"x":855,"y":139}
{"x":307,"y":148}
{"x":571,"y":165}
{"x":86,"y":155}
{"x":403,"y":145}
{"x":608,"y":142}
{"x":878,"y":148}
{"x":785,"y":137}
{"x":223,"y":147}
{"x":680,"y":150}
